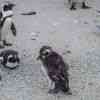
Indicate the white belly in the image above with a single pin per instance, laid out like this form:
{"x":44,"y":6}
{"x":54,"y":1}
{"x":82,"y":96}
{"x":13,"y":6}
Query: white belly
{"x":6,"y":31}
{"x":50,"y":82}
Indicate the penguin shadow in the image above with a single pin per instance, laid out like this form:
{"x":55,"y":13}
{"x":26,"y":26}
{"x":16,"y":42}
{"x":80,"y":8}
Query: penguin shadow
{"x":28,"y":13}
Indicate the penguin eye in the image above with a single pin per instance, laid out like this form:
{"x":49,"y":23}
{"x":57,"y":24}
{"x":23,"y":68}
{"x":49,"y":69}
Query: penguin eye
{"x":11,"y":58}
{"x":46,"y":53}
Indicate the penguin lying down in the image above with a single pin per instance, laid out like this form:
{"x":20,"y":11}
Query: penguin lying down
{"x":56,"y":69}
{"x":9,"y":59}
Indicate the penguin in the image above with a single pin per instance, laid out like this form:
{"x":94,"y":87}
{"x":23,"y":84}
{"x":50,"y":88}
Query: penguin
{"x":56,"y":68}
{"x":73,"y":4}
{"x":10,"y":59}
{"x":8,"y":30}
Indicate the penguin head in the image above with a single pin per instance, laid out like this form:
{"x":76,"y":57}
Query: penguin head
{"x":12,"y":58}
{"x":8,"y":6}
{"x":11,"y":5}
{"x":44,"y":52}
{"x":12,"y":61}
{"x":9,"y":59}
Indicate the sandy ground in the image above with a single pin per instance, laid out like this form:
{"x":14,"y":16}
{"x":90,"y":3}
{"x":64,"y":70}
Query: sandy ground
{"x":57,"y":26}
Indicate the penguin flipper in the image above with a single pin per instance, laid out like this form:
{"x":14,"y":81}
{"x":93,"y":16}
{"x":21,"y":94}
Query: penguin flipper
{"x":1,"y":15}
{"x":13,"y":29}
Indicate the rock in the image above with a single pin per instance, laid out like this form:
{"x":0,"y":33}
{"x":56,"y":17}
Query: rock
{"x":98,"y":11}
{"x":34,"y":36}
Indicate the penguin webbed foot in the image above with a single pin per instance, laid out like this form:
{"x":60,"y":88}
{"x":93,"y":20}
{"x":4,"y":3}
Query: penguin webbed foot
{"x":73,"y":6}
{"x":6,"y":44}
{"x":84,"y":6}
{"x":67,"y":91}
{"x":53,"y":91}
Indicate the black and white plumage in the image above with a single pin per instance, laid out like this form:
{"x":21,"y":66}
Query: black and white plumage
{"x":9,"y":59}
{"x":7,"y":8}
{"x":56,"y":69}
{"x":7,"y":27}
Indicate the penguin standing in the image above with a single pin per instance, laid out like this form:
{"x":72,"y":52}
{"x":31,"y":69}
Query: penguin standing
{"x":8,"y":30}
{"x":56,"y":69}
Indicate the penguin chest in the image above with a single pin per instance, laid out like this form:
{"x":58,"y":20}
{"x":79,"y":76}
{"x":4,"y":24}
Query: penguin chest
{"x":7,"y":25}
{"x":6,"y":31}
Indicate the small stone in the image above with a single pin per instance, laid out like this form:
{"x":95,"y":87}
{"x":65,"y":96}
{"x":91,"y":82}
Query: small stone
{"x":85,"y":22}
{"x":68,"y":51}
{"x":90,"y":83}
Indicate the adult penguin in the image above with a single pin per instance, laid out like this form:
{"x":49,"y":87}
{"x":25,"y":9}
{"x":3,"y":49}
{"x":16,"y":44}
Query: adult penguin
{"x":56,"y":69}
{"x":8,"y":30}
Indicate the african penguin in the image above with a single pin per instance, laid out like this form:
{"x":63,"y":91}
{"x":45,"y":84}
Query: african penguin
{"x":8,"y":30}
{"x":10,"y":59}
{"x":56,"y":69}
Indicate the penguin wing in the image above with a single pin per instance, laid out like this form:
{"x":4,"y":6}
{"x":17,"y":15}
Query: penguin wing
{"x":13,"y":29}
{"x":1,"y":15}
{"x":62,"y":69}
{"x":2,"y":22}
{"x":57,"y":75}
{"x":61,"y":64}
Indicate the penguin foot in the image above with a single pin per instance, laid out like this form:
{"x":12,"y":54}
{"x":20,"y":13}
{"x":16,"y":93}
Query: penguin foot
{"x":7,"y":44}
{"x":67,"y":91}
{"x":72,"y":8}
{"x":84,"y":6}
{"x":53,"y":91}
